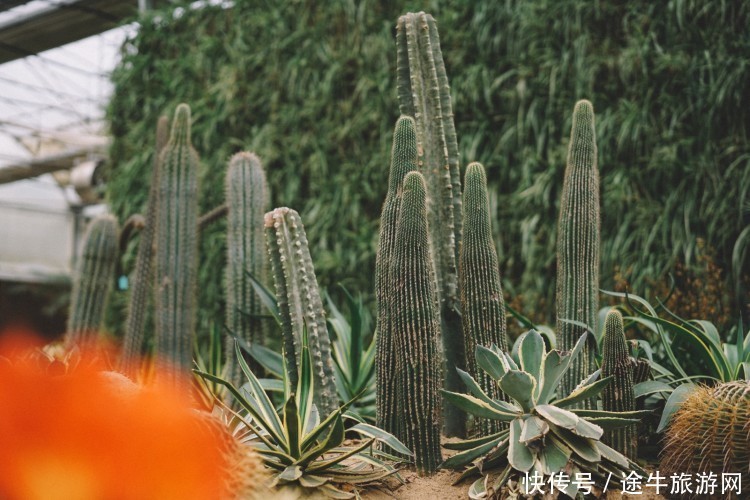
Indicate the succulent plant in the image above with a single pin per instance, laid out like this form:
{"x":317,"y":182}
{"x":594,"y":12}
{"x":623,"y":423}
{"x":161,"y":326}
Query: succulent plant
{"x":304,"y":447}
{"x":619,"y":395}
{"x":416,"y":328}
{"x":142,"y":282}
{"x":710,"y":433}
{"x":578,"y":247}
{"x":247,"y":198}
{"x":424,"y":93}
{"x":544,"y":436}
{"x":92,"y":280}
{"x":481,"y":293}
{"x":176,"y":258}
{"x":299,"y":302}
{"x":403,"y":161}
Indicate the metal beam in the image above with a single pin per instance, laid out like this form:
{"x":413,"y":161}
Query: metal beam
{"x":59,"y":23}
{"x":45,"y":165}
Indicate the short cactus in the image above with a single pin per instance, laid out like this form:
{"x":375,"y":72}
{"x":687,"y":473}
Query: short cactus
{"x":247,"y":199}
{"x":710,"y":433}
{"x":92,"y":280}
{"x":578,"y":247}
{"x":176,"y":258}
{"x":300,"y":305}
{"x":424,"y":93}
{"x":141,"y":287}
{"x":403,"y":161}
{"x":481,"y":293}
{"x":618,"y":395}
{"x":416,"y":328}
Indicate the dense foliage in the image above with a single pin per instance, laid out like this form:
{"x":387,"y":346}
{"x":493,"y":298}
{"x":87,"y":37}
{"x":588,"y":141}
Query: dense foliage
{"x":310,"y":87}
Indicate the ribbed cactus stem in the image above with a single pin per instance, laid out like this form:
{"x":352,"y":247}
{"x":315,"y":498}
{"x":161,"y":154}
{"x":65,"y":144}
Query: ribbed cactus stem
{"x":481,"y":293}
{"x":578,"y":247}
{"x":403,"y":161}
{"x":142,"y":281}
{"x":92,"y":281}
{"x":176,"y":258}
{"x":424,"y":93}
{"x":247,"y":199}
{"x":618,"y":395}
{"x":300,"y":304}
{"x":416,"y":327}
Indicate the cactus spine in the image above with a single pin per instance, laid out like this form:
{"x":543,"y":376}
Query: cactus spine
{"x":424,"y":94}
{"x":176,"y":258}
{"x":481,"y":293}
{"x":247,"y":198}
{"x":93,"y":279}
{"x":711,"y":433}
{"x":403,"y":161}
{"x":619,"y":394}
{"x":578,"y":246}
{"x":140,"y":295}
{"x":300,"y":304}
{"x":416,"y":328}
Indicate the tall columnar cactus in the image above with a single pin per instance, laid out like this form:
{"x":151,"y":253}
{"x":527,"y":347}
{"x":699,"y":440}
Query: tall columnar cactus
{"x":424,"y":93}
{"x":92,"y":281}
{"x":247,"y":199}
{"x":710,"y":433}
{"x":481,"y":293}
{"x":299,"y":302}
{"x":619,"y":394}
{"x":416,"y":327}
{"x":403,"y":161}
{"x":141,"y":287}
{"x":578,"y":247}
{"x":176,"y":258}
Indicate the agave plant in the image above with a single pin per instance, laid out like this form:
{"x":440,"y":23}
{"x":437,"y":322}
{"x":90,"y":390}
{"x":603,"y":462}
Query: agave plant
{"x":542,"y":437}
{"x":303,"y":448}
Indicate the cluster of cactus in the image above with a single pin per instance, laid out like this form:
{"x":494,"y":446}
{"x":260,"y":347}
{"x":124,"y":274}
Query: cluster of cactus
{"x":710,"y":433}
{"x":299,"y":302}
{"x":247,"y":200}
{"x":424,"y":94}
{"x":578,"y":247}
{"x":93,"y":279}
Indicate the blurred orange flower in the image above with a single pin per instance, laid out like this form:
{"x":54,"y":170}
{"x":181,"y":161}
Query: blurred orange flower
{"x":93,"y":434}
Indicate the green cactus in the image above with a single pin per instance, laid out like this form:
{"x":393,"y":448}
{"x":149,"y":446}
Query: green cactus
{"x":415,"y":327}
{"x":403,"y":161}
{"x":92,"y":281}
{"x":481,"y":293}
{"x":424,"y":94}
{"x":299,"y":303}
{"x":176,"y":257}
{"x":710,"y":433}
{"x":247,"y":199}
{"x":578,"y":247}
{"x":618,"y":395}
{"x":142,"y":281}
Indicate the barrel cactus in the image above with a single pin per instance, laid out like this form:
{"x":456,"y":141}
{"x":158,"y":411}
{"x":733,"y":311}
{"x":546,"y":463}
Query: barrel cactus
{"x":578,"y":247}
{"x":619,"y":395}
{"x":710,"y":433}
{"x":416,"y":328}
{"x":93,"y":279}
{"x":176,"y":258}
{"x":481,"y":293}
{"x":247,"y":199}
{"x":403,"y":161}
{"x":424,"y":93}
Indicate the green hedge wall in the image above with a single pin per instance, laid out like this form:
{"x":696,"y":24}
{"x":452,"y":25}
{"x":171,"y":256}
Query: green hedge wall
{"x":309,"y":86}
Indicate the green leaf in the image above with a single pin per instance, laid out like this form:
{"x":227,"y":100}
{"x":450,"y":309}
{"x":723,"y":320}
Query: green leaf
{"x":520,"y":386}
{"x":477,"y":407}
{"x":312,"y":481}
{"x":558,"y":416}
{"x":468,"y":444}
{"x":533,"y":428}
{"x":675,"y":400}
{"x":582,"y":393}
{"x":384,"y":437}
{"x":466,"y":457}
{"x":585,"y":448}
{"x":531,"y":353}
{"x":554,"y":366}
{"x":490,"y":362}
{"x":554,"y":456}
{"x":291,"y":473}
{"x":478,"y":489}
{"x":267,"y":298}
{"x":519,"y":456}
{"x":651,"y":387}
{"x":477,"y":392}
{"x":612,"y":423}
{"x":613,"y":455}
{"x":331,"y":491}
{"x":272,"y":384}
{"x":270,"y":360}
{"x":584,"y":413}
{"x":588,"y":430}
{"x":334,"y":438}
{"x":292,"y":427}
{"x":322,"y":465}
